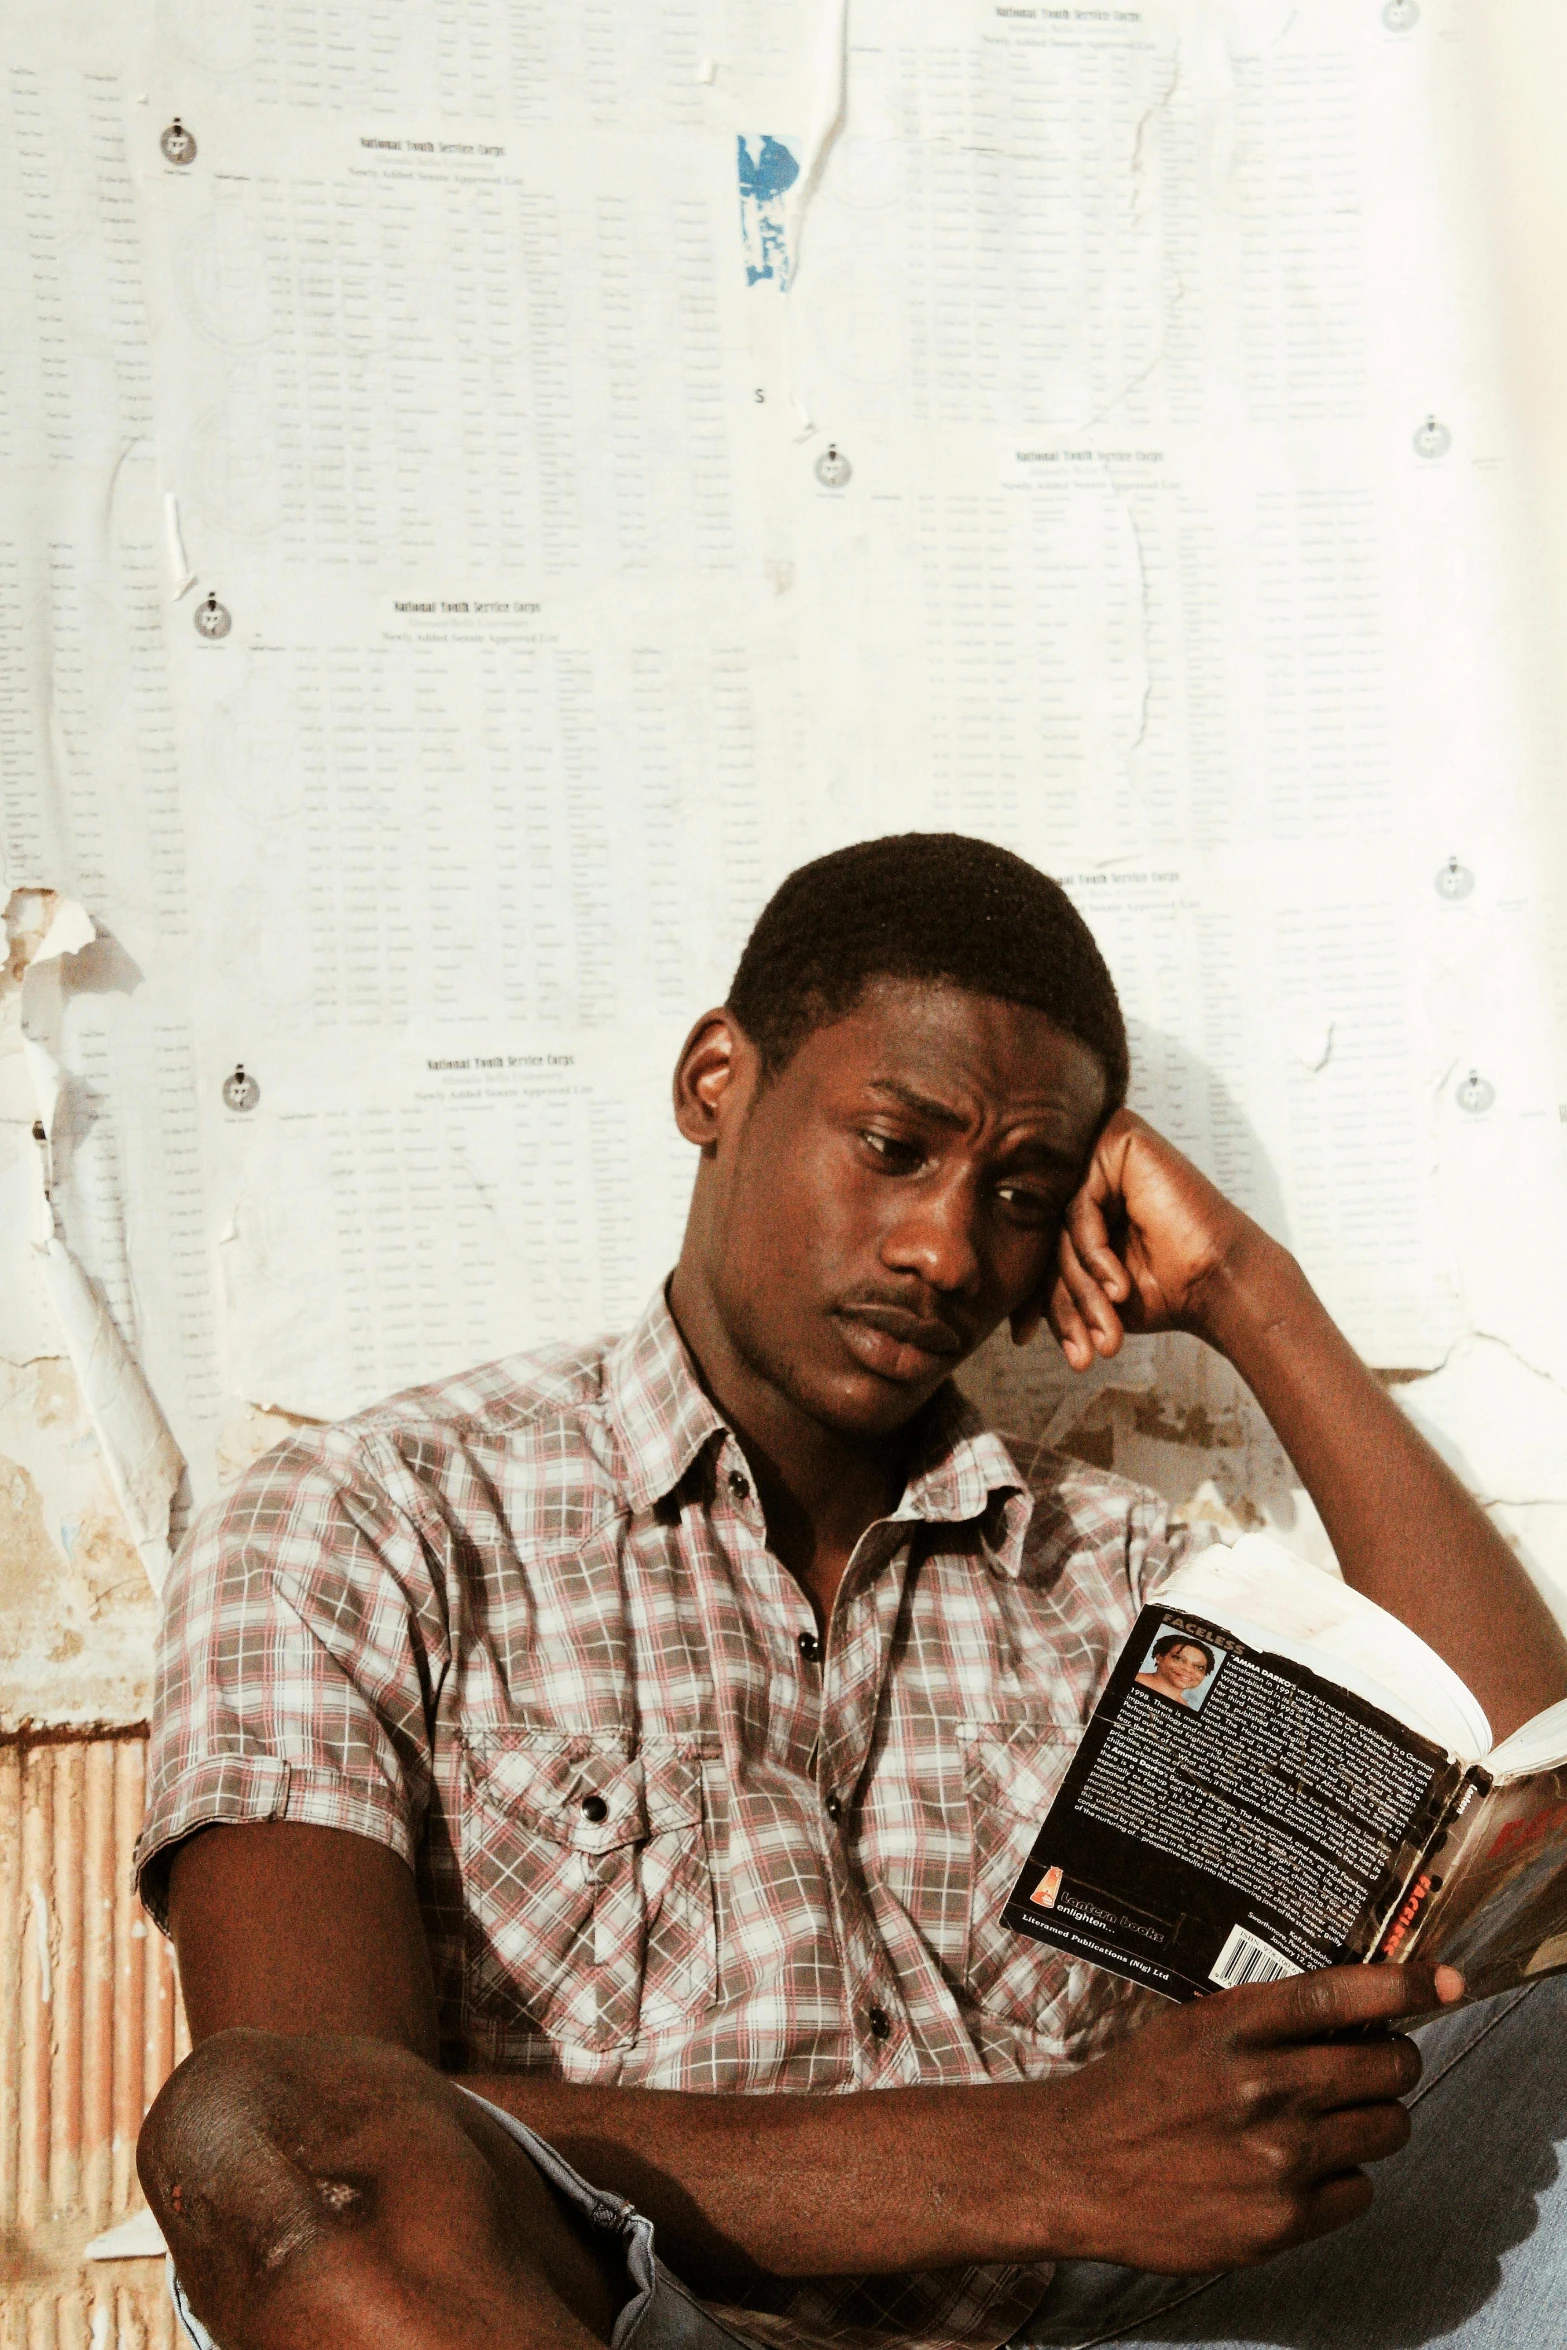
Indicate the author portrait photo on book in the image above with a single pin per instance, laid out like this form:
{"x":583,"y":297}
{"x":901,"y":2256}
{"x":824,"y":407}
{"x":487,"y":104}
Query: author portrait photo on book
{"x":1181,"y":1670}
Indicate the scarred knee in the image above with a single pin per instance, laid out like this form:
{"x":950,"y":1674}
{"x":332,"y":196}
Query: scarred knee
{"x":320,"y":2189}
{"x":262,"y":2145}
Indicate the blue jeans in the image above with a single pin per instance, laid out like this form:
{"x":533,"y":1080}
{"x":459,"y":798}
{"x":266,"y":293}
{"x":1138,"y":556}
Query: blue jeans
{"x":1465,"y":2245}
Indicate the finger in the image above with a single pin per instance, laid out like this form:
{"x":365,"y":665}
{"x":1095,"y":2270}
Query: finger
{"x":1358,"y":2135}
{"x":1089,"y":1229}
{"x":1026,"y":1321}
{"x":1319,"y":2079}
{"x":1337,"y":1999}
{"x":1070,"y":1328}
{"x":1295,"y":2215}
{"x":1094,"y":1308}
{"x":1332,"y":2204}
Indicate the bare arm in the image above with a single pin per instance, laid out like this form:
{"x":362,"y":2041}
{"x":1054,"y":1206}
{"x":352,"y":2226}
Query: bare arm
{"x":1219,"y":2134}
{"x":1150,"y":1244}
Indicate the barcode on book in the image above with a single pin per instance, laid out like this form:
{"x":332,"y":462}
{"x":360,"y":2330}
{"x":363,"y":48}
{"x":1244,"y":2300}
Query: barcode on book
{"x":1246,"y":1960}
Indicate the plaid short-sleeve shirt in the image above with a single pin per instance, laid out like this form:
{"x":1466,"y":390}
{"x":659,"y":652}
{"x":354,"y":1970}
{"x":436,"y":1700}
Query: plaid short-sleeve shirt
{"x":525,"y":1629}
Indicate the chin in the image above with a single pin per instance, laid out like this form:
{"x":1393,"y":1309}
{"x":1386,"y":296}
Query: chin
{"x":861,"y":1405}
{"x":840,"y":1394}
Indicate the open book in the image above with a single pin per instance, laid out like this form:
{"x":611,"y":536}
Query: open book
{"x":1281,"y":1775}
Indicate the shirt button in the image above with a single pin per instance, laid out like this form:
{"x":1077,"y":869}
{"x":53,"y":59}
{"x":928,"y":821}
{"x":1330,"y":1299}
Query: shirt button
{"x":834,"y":1808}
{"x":594,"y":1808}
{"x":739,"y":1485}
{"x":880,"y":2023}
{"x":810,"y":1648}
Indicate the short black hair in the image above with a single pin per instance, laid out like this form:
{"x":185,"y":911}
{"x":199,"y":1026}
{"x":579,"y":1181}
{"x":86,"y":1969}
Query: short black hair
{"x":1183,"y":1640}
{"x":923,"y":906}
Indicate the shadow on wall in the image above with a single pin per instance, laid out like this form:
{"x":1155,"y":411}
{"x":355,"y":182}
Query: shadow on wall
{"x":1191,"y":1103}
{"x":1167,"y":1412}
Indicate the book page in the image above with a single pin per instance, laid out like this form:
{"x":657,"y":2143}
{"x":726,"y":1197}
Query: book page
{"x":1491,"y":1899}
{"x":1257,"y":1589}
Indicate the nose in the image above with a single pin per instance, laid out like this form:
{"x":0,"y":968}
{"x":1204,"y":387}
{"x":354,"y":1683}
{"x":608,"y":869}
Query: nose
{"x":934,"y":1238}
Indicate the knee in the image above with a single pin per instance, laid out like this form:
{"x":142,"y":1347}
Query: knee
{"x":260,"y":2144}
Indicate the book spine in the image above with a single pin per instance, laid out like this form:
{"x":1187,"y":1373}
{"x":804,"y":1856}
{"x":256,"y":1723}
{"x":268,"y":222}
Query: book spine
{"x":1410,"y":1875}
{"x":1407,"y":1917}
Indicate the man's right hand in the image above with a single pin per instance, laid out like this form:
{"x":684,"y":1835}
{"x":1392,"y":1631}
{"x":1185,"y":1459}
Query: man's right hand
{"x":1225,"y":2131}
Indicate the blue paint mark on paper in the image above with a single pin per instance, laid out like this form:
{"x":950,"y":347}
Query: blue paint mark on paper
{"x":765,"y":180}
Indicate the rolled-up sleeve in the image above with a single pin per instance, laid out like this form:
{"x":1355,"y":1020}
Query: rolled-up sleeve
{"x":304,"y":1641}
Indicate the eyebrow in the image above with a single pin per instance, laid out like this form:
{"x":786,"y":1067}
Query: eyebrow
{"x":924,"y":1105}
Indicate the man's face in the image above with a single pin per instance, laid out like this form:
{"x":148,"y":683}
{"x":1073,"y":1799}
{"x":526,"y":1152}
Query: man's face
{"x":894,"y":1194}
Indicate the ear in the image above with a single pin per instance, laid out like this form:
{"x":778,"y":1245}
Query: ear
{"x":715,"y":1079}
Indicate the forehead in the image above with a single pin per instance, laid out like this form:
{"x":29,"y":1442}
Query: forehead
{"x":968,"y":1052}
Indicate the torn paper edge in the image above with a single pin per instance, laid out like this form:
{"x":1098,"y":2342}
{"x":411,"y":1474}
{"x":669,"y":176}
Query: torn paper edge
{"x":144,"y":1463}
{"x":184,"y":579}
{"x":136,"y":2238}
{"x":830,"y":81}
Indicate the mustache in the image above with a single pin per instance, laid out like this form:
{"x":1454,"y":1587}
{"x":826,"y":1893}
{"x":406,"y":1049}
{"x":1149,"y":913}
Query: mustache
{"x":927,"y":1331}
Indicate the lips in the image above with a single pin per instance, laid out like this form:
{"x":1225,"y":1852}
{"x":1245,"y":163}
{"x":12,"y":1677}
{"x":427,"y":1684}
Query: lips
{"x":896,"y":1343}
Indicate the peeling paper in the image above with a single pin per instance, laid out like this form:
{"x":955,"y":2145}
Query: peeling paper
{"x":184,"y":579}
{"x":830,"y":83}
{"x":144,"y":1463}
{"x":1311,"y":1044}
{"x":830,"y":88}
{"x":136,"y":2238}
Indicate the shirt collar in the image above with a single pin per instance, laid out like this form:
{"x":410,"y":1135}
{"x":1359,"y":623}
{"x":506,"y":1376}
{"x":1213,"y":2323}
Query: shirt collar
{"x":964,"y":1471}
{"x":664,"y":1418}
{"x":659,"y":1409}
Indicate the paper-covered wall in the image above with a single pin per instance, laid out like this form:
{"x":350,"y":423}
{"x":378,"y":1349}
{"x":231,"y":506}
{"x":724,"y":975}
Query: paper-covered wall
{"x":489,"y":485}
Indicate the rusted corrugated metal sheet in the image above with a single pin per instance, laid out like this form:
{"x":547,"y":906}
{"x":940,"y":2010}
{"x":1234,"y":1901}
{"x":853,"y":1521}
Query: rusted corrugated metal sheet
{"x":90,"y":2027}
{"x":98,"y":2313}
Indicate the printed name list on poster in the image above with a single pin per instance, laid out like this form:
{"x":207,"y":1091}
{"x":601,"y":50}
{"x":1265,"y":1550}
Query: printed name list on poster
{"x":580,"y":466}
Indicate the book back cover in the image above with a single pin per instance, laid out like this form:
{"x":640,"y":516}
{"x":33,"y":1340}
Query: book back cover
{"x":1230,"y":1817}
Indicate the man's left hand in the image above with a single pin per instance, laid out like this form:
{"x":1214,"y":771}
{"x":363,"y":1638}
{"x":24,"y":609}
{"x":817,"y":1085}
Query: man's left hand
{"x":1144,"y":1240}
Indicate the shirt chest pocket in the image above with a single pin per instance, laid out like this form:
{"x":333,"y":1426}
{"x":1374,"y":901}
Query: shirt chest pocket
{"x":1011,"y":1774}
{"x":589,"y":1886}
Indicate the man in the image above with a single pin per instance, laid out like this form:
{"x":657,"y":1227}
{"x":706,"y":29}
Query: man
{"x":643,"y":1739}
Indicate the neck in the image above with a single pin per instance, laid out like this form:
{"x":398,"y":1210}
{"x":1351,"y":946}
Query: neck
{"x":819,"y":1488}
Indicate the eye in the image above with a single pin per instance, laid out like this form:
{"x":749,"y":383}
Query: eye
{"x":897,"y":1155}
{"x":1030,"y":1207}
